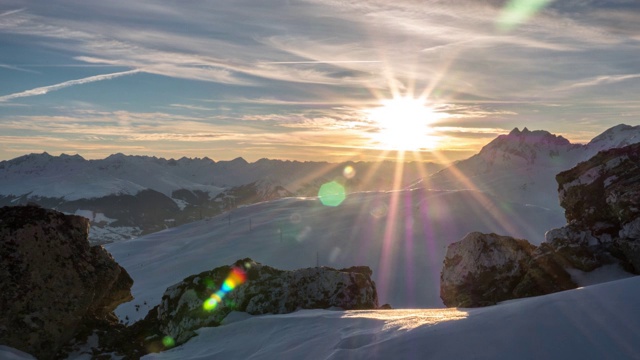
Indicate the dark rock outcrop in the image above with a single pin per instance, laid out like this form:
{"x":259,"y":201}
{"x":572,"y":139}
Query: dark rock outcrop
{"x":207,"y":298}
{"x":601,"y":198}
{"x":52,"y":280}
{"x":483,"y":269}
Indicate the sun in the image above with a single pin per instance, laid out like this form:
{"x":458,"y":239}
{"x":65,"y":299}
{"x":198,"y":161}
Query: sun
{"x":404,"y":123}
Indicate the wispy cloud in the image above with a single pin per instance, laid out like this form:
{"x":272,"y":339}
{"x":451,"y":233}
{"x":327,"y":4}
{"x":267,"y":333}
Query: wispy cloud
{"x":46,"y":89}
{"x":12,"y":67}
{"x":11,"y":12}
{"x":279,"y":74}
{"x":324,"y":62}
{"x":191,"y":107}
{"x":600,"y":80}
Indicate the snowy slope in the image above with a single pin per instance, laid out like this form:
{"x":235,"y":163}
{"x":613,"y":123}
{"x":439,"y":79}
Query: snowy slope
{"x":401,"y":235}
{"x":521,"y":166}
{"x":596,"y":322}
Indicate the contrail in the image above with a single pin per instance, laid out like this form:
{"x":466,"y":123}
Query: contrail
{"x":12,"y":12}
{"x":45,"y":89}
{"x":324,"y":62}
{"x":11,"y":67}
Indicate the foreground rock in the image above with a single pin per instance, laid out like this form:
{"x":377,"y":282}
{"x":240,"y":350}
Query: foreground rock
{"x":601,"y":197}
{"x":484,"y":269}
{"x":52,"y":281}
{"x":207,"y":298}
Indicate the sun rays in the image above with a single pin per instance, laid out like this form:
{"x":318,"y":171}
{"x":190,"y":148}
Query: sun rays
{"x":404,"y":124}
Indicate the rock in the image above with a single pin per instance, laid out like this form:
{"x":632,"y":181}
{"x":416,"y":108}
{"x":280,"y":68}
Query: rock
{"x":546,"y":273}
{"x":483,"y":269}
{"x":206,"y":299}
{"x":52,"y":280}
{"x":603,"y":189}
{"x":601,"y":198}
{"x":629,"y":250}
{"x":577,"y":248}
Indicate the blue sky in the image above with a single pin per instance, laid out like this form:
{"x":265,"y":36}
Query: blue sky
{"x":295,"y":79}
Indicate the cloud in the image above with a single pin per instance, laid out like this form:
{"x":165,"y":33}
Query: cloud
{"x":11,"y":12}
{"x":12,"y":67}
{"x":46,"y":89}
{"x":600,"y":80}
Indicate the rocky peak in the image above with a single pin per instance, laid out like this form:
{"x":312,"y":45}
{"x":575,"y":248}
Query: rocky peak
{"x":52,"y":280}
{"x":523,"y":148}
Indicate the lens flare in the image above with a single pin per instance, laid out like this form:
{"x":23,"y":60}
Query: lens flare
{"x":349,"y":172}
{"x":517,"y":12}
{"x":168,"y":342}
{"x":210,"y":304}
{"x":234,"y":279}
{"x":332,"y":194}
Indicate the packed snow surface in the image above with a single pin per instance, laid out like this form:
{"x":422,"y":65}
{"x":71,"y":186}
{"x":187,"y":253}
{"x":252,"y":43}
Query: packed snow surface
{"x":596,"y":322}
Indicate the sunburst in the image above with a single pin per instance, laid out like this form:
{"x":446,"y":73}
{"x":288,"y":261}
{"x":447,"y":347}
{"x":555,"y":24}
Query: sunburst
{"x":404,"y":124}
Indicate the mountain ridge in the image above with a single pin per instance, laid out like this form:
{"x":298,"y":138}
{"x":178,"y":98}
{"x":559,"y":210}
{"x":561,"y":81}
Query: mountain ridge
{"x":521,"y":166}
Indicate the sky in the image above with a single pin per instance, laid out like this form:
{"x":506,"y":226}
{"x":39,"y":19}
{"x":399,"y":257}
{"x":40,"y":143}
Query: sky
{"x":310,"y":79}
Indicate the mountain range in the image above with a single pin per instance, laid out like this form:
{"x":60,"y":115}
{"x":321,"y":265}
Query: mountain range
{"x":128,"y":196}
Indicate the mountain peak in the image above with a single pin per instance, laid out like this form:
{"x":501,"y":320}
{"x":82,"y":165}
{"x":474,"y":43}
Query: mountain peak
{"x":239,"y":160}
{"x":617,"y":136}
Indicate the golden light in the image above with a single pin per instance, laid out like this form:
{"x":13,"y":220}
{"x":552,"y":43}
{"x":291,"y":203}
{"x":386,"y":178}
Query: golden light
{"x":404,"y":124}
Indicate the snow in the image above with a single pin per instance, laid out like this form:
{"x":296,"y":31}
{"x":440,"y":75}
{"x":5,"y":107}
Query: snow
{"x":401,"y":235}
{"x":595,"y":322}
{"x":73,"y":178}
{"x":9,"y":353}
{"x":598,"y":321}
{"x":602,"y":274}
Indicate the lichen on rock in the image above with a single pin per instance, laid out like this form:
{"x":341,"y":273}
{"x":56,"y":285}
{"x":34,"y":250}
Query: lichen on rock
{"x":207,"y":298}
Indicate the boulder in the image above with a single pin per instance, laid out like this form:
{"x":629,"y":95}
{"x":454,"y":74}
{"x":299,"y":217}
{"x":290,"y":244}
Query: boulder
{"x":483,"y":269}
{"x":207,"y":298}
{"x":546,"y":273}
{"x":52,"y":280}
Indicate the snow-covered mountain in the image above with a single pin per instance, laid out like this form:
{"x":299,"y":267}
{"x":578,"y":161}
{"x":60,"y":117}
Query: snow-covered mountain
{"x":521,"y":166}
{"x":127,"y":196}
